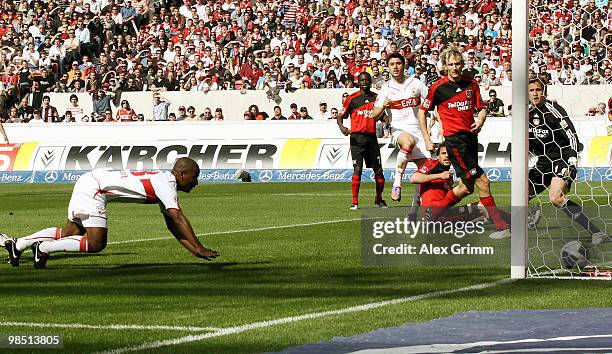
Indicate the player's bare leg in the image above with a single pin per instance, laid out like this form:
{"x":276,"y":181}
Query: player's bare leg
{"x":558,"y":198}
{"x":406,"y":143}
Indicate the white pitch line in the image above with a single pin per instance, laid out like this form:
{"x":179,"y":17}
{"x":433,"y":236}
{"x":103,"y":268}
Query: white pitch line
{"x":449,"y":348}
{"x":241,"y":231}
{"x":310,"y":316}
{"x":111,"y":326}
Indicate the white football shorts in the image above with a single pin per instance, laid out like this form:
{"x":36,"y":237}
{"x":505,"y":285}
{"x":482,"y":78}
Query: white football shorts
{"x":87,"y":205}
{"x":419,"y":151}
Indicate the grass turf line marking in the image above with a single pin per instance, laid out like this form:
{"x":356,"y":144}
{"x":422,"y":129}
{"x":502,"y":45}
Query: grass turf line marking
{"x":448,"y":348}
{"x":111,"y":326}
{"x":241,"y":231}
{"x":264,"y":324}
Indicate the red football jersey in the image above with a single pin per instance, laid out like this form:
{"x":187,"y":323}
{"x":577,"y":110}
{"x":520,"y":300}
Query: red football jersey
{"x":456,"y":103}
{"x":434,"y":192}
{"x":359,"y":106}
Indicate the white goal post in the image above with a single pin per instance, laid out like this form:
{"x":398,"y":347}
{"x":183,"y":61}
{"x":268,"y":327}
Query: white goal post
{"x":520,"y":138}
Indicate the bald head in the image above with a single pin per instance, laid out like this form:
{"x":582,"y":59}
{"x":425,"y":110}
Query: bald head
{"x":185,"y":164}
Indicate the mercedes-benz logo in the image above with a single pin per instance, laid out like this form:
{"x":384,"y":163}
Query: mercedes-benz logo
{"x":265,"y":176}
{"x":493,"y":174}
{"x":51,"y":176}
{"x":372,"y":176}
{"x":608,"y":174}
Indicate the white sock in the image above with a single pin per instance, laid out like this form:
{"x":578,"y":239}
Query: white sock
{"x":48,"y":234}
{"x":400,"y":166}
{"x":65,"y":244}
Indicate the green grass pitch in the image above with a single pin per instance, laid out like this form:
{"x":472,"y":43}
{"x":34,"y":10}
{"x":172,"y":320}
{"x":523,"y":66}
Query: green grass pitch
{"x":272,"y":273}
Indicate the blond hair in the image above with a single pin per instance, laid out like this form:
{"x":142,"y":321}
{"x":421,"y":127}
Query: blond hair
{"x":450,"y":52}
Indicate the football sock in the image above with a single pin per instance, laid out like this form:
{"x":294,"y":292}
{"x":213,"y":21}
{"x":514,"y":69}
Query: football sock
{"x":416,"y":200}
{"x":355,"y":182}
{"x":48,"y":234}
{"x":574,"y":211}
{"x":380,"y":185}
{"x":494,"y":214}
{"x":449,"y":200}
{"x":66,"y":244}
{"x":400,"y":167}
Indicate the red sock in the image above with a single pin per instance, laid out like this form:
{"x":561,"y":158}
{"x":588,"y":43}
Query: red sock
{"x":356,"y":181}
{"x":380,"y":185}
{"x":449,"y":200}
{"x":489,"y":203}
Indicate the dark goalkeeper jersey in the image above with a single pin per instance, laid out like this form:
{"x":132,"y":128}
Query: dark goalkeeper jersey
{"x":551,"y":132}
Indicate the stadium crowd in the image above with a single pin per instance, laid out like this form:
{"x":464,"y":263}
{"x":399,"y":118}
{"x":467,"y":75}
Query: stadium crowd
{"x":106,"y":47}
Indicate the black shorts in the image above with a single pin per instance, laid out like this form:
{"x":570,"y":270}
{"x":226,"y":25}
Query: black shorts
{"x":365,"y":147}
{"x":463,"y":153}
{"x":543,"y":172}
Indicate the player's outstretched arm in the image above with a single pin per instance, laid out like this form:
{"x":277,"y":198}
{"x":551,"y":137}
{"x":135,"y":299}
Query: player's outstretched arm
{"x":181,"y":229}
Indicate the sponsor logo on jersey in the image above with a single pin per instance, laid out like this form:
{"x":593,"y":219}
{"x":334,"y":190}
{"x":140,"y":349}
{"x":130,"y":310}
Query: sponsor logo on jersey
{"x":536,"y":121}
{"x":460,"y":105}
{"x":427,"y":103}
{"x":405,"y":103}
{"x":468,"y":93}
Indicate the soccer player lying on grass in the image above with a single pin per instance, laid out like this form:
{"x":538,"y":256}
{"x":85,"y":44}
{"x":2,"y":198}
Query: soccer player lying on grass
{"x":86,"y":229}
{"x":436,"y":183}
{"x":553,"y":140}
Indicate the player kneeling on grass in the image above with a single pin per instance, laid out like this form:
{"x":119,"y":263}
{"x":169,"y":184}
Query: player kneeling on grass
{"x":553,"y":140}
{"x":364,"y":144}
{"x":456,"y":99}
{"x":86,"y":229}
{"x":437,"y":192}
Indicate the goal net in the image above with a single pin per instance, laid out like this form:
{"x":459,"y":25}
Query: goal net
{"x":567,"y":235}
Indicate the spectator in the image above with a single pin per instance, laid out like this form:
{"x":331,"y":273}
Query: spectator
{"x":294,"y":112}
{"x":101,"y":102}
{"x":191,"y":116}
{"x":160,"y":107}
{"x":182,"y":113}
{"x":334,"y":113}
{"x":108,"y":116}
{"x":323,"y":113}
{"x":495,"y":106}
{"x":258,"y":115}
{"x":125,"y":113}
{"x":49,"y":113}
{"x":219,"y":114}
{"x":304,"y":113}
{"x":278,"y":114}
{"x":207,"y":115}
{"x":36,"y":118}
{"x":601,"y":109}
{"x":14,"y":116}
{"x":76,"y":111}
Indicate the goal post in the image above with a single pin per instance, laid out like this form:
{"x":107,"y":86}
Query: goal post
{"x":520,"y":138}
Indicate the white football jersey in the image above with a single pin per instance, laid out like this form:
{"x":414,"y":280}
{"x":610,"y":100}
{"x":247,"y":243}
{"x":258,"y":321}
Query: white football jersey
{"x":150,"y":187}
{"x":405,"y":100}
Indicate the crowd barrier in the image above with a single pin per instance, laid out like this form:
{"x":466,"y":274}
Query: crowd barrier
{"x":575,"y":99}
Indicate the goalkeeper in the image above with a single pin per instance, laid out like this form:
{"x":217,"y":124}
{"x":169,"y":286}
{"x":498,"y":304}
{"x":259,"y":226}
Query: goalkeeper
{"x":553,"y":140}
